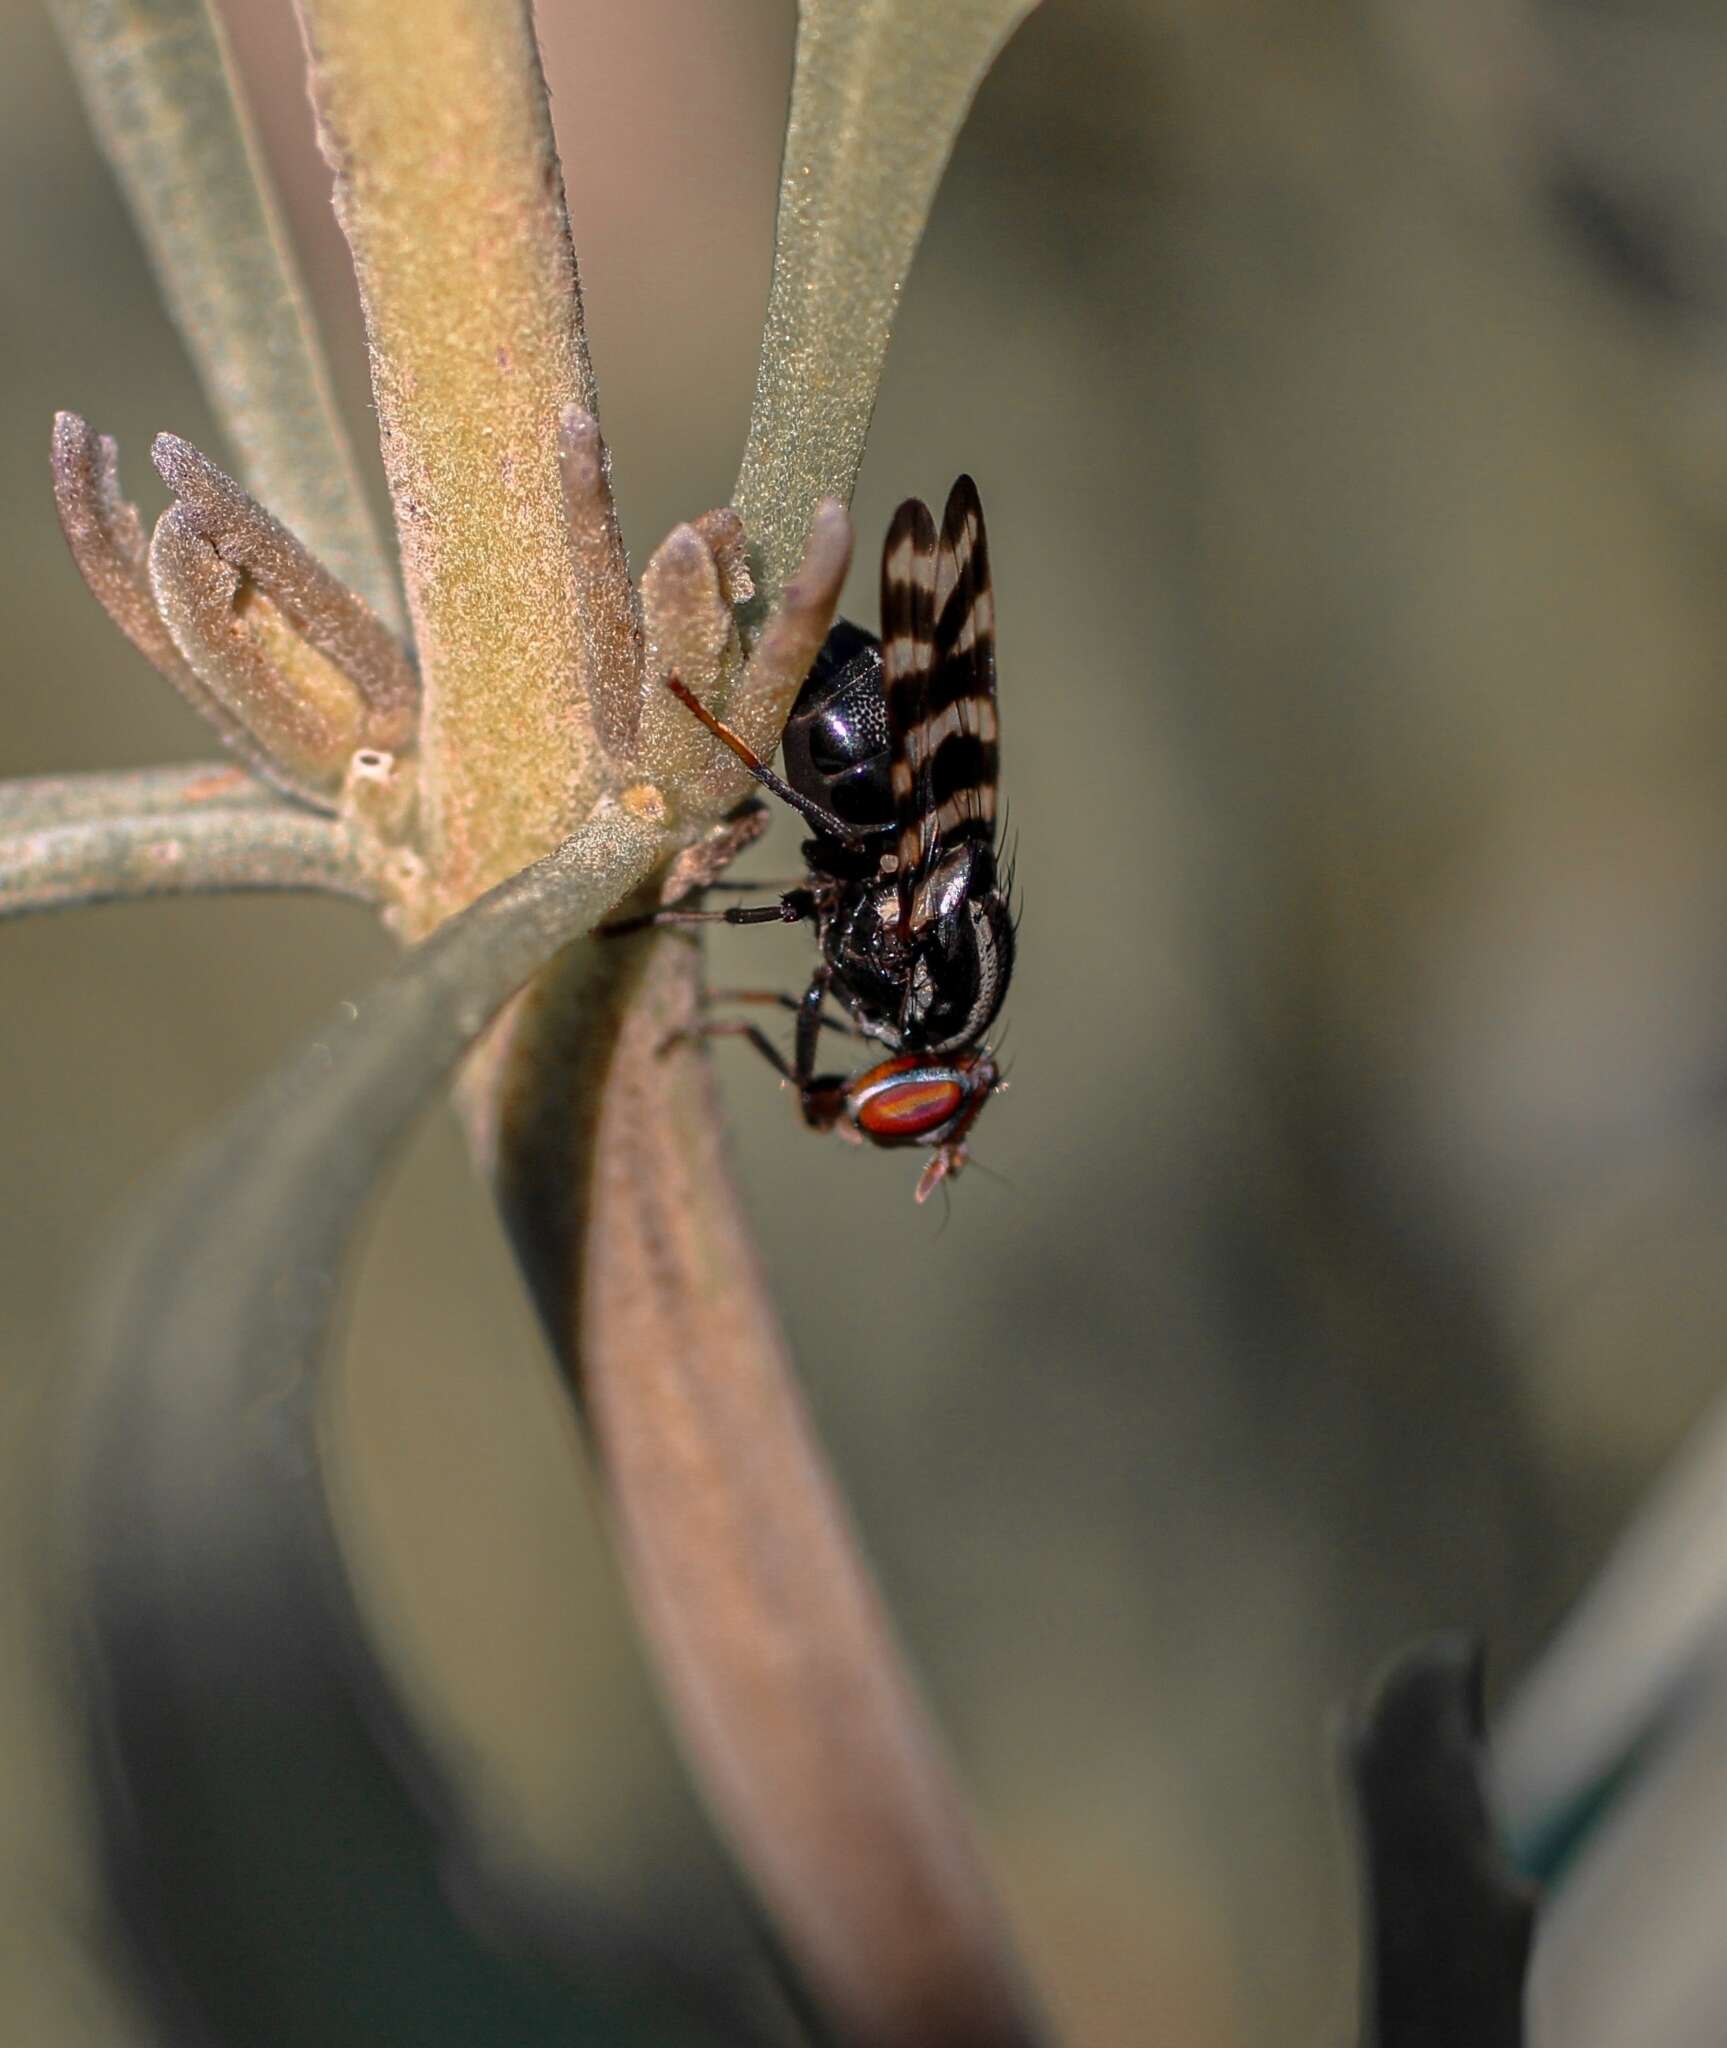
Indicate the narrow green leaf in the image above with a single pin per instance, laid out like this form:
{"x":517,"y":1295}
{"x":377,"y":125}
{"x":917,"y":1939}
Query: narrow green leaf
{"x":879,"y":94}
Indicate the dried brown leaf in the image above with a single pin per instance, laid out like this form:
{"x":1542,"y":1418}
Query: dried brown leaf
{"x":723,"y":530}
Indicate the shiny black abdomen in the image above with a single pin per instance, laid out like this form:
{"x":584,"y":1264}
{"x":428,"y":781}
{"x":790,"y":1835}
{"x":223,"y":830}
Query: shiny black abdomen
{"x":837,"y":750}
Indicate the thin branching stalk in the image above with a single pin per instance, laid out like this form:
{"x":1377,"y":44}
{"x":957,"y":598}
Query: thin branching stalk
{"x":434,"y":119}
{"x":128,"y":793}
{"x":156,"y":79}
{"x":177,"y":853}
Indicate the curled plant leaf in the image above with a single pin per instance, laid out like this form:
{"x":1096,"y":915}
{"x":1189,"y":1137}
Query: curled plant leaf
{"x":300,"y":715}
{"x":108,"y":544}
{"x":341,"y":627}
{"x":786,"y":648}
{"x":722,"y":530}
{"x":106,"y":537}
{"x":228,"y":1666}
{"x":156,"y":79}
{"x":292,"y":670}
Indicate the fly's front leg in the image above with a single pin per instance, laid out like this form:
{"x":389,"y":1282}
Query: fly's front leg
{"x":808,"y":1032}
{"x":796,"y":906}
{"x":733,"y":1028}
{"x":780,"y":1001}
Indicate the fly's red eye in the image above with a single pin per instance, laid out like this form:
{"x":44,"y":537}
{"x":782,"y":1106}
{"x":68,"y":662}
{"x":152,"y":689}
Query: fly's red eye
{"x":911,"y":1109}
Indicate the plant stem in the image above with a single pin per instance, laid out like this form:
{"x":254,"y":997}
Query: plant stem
{"x":176,"y":853}
{"x":126,"y":793}
{"x":434,"y":119}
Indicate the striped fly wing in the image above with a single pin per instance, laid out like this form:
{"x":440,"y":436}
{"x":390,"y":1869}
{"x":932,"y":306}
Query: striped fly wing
{"x":957,"y":749}
{"x":961,"y":747}
{"x":908,"y":577}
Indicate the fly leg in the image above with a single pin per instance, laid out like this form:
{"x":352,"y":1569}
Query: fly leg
{"x":733,"y":1027}
{"x":781,"y":1001}
{"x":736,"y":1028}
{"x":796,"y":906}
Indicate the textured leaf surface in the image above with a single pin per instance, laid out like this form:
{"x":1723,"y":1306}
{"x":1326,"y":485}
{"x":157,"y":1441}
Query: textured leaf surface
{"x":880,"y":90}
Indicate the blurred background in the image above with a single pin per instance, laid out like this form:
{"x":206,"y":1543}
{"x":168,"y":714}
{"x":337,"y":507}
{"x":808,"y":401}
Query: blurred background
{"x":1347,"y":386}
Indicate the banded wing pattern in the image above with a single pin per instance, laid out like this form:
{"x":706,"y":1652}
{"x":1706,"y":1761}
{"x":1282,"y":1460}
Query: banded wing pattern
{"x":961,"y":747}
{"x":891,"y":755}
{"x":908,"y":575}
{"x":938,"y":665}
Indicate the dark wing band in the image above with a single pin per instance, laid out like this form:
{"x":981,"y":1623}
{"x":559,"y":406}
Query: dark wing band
{"x":962,"y":744}
{"x":956,"y":748}
{"x":908,"y":582}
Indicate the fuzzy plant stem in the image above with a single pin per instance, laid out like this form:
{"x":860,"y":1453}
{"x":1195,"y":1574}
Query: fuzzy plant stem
{"x":213,"y":849}
{"x":434,"y":119}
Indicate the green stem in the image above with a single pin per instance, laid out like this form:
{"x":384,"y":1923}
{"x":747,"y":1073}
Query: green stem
{"x":128,"y":793}
{"x":176,"y":853}
{"x":434,"y":118}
